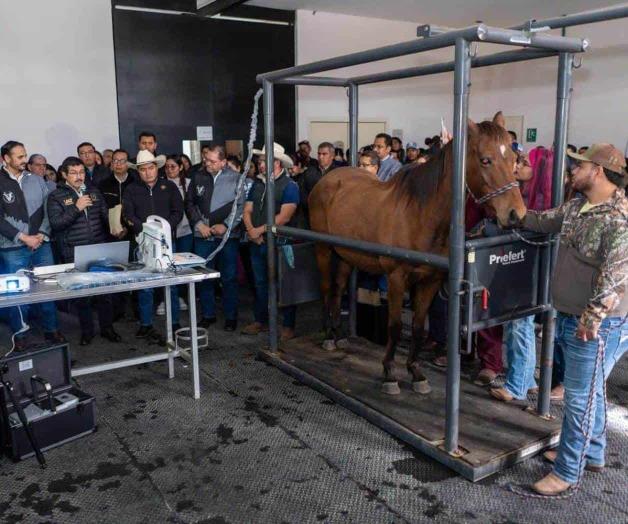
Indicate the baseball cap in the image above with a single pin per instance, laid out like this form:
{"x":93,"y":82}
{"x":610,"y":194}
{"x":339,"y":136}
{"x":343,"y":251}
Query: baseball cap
{"x":412,"y":145}
{"x":605,"y":155}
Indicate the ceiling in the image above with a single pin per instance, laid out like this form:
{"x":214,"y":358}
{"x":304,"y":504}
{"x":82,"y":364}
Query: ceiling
{"x":453,"y":13}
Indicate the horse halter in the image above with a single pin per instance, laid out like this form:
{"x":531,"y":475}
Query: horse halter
{"x":496,"y":193}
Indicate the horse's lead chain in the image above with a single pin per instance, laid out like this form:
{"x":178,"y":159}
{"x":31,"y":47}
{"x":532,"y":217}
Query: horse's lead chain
{"x":494,"y":194}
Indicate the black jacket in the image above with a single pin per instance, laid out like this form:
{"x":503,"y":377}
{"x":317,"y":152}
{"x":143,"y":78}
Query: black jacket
{"x":99,"y":174}
{"x":72,"y":227}
{"x":140,"y":201}
{"x":113,"y":190}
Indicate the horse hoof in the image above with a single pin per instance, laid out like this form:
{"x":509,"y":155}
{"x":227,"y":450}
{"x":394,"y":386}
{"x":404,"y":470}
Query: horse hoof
{"x":391,"y":388}
{"x":343,"y":343}
{"x":422,"y":387}
{"x":329,"y":345}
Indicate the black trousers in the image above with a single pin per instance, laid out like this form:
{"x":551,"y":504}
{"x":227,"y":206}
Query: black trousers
{"x":104,"y":309}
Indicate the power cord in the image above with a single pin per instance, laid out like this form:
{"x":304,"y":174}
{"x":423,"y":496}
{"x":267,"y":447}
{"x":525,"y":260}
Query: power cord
{"x":25,"y":327}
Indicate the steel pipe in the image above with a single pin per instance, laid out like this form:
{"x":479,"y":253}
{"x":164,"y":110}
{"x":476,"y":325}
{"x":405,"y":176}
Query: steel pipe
{"x":373,"y":55}
{"x":456,"y":242}
{"x":445,"y":67}
{"x":314,"y":81}
{"x":586,"y":17}
{"x":496,"y":35}
{"x":382,"y":250}
{"x":353,"y":153}
{"x":563,"y":94}
{"x":269,"y":129}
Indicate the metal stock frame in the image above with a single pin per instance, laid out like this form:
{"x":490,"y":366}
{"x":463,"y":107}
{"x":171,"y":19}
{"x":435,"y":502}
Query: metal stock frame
{"x":536,"y":45}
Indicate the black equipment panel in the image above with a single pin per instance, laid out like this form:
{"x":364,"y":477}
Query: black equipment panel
{"x":55,"y":417}
{"x":505,"y":279}
{"x":298,"y":275}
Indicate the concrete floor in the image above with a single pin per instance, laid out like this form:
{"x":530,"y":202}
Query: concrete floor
{"x":260,"y":447}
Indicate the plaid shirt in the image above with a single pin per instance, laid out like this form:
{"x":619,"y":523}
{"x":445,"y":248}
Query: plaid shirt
{"x":599,"y":237}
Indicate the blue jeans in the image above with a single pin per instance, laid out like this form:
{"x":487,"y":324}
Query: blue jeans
{"x":24,"y":258}
{"x":521,"y":354}
{"x":558,"y":367}
{"x":145,"y":305}
{"x":579,"y":365}
{"x":259,"y":262}
{"x":226,"y":261}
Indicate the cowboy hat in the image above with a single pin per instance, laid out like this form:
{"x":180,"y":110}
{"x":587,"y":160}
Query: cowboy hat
{"x":279,"y":153}
{"x":146,"y":157}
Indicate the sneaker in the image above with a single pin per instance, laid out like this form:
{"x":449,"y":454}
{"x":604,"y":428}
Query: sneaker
{"x":144,"y":331}
{"x":182,"y":305}
{"x":161,"y":309}
{"x":206,"y":322}
{"x":56,"y":337}
{"x":254,"y":329}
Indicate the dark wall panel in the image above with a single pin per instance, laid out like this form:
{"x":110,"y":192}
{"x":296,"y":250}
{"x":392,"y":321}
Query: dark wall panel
{"x":178,"y":72}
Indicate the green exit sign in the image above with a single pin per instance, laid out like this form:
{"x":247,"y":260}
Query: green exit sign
{"x":531,"y":134}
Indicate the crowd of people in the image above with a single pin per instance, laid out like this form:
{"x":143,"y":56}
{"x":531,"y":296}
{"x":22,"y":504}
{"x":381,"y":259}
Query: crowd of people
{"x":45,"y":213}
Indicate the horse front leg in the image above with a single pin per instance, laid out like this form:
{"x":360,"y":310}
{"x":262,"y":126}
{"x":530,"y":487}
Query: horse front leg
{"x":396,"y":288}
{"x":425,"y":292}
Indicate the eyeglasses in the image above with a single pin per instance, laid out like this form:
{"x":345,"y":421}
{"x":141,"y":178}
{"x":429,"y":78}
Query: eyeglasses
{"x":118,"y":161}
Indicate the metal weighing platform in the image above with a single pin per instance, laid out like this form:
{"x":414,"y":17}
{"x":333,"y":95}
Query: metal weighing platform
{"x":530,"y":41}
{"x":493,"y":435}
{"x":48,"y":290}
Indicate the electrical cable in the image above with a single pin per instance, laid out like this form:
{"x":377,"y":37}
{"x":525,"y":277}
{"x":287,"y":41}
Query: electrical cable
{"x":242,"y":181}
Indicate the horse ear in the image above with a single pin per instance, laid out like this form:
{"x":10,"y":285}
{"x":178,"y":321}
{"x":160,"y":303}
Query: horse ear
{"x":473,"y":127}
{"x":499,"y":119}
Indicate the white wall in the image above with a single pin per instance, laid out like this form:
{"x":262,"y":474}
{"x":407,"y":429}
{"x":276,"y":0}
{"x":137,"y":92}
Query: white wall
{"x":57,"y":76}
{"x":600,"y":102}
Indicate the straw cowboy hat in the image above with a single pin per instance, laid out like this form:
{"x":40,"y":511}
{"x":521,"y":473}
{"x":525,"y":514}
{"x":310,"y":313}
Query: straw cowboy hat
{"x":146,"y":157}
{"x":279,"y":153}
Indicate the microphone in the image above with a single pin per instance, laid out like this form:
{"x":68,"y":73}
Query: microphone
{"x":82,"y":189}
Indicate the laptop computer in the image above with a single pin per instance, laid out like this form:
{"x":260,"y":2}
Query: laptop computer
{"x":106,"y":253}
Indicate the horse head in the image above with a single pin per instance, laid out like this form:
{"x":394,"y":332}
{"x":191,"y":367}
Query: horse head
{"x":490,"y":172}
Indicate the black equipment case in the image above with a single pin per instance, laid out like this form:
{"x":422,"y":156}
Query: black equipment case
{"x":57,"y":411}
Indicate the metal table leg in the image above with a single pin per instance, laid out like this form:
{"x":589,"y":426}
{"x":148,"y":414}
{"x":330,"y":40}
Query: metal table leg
{"x":194,"y":336}
{"x":169,"y":337}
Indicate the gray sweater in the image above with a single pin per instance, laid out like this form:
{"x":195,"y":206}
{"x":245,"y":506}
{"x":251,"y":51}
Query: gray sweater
{"x":22,"y":208}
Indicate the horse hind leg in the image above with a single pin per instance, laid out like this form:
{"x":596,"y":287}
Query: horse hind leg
{"x":343,"y":272}
{"x":425,"y":292}
{"x":324,"y":260}
{"x":396,"y":288}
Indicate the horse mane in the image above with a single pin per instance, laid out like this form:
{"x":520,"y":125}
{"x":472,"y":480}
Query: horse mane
{"x":421,"y":182}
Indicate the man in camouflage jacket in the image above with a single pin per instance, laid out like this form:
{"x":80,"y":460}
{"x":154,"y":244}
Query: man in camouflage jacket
{"x":589,"y":293}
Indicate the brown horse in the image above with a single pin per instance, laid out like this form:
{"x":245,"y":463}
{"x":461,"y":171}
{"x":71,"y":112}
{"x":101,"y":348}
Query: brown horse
{"x":412,"y":211}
